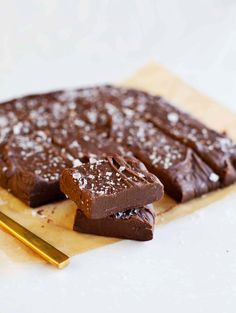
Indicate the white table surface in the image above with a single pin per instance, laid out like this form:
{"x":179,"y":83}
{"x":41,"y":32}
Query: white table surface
{"x":190,"y":266}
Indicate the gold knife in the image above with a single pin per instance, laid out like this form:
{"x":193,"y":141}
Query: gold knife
{"x":38,"y":245}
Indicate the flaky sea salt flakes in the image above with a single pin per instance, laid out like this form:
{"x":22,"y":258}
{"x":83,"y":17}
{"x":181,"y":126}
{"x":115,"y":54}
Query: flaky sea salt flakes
{"x":111,"y":109}
{"x":38,"y":172}
{"x":82,"y":181}
{"x":72,"y":105}
{"x":214,"y":177}
{"x":92,"y":160}
{"x":91,"y":177}
{"x":76,"y":162}
{"x":141,"y":175}
{"x":69,"y":95}
{"x":74,"y":144}
{"x":119,"y":215}
{"x":92,"y":116}
{"x":205,"y":132}
{"x":126,"y":214}
{"x":121,"y":168}
{"x":42,"y":135}
{"x":86,"y":138}
{"x":173,"y":117}
{"x":78,"y":122}
{"x":77,"y":176}
{"x":3,"y":121}
{"x":17,"y":128}
{"x":128,"y":101}
{"x":128,"y":112}
{"x":224,"y":143}
{"x":108,"y":173}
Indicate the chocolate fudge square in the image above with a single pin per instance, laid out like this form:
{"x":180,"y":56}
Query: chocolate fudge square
{"x":135,"y":224}
{"x":31,"y":167}
{"x":109,"y":185}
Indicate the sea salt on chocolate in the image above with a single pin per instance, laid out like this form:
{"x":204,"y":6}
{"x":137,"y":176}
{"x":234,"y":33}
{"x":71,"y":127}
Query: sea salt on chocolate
{"x":214,"y":148}
{"x":32,"y":168}
{"x":110,"y":185}
{"x":184,"y":175}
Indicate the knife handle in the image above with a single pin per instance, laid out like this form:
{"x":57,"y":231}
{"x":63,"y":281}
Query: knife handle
{"x":38,"y":245}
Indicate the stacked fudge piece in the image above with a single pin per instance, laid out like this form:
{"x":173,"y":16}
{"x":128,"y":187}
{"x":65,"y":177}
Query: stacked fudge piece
{"x":40,"y":135}
{"x":114,"y":196}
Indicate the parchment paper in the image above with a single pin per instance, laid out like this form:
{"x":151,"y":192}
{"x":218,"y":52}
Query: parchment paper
{"x":54,"y":222}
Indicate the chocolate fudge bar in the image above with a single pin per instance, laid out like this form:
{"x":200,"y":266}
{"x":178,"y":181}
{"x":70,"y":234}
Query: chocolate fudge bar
{"x":31,"y":167}
{"x":184,"y":175}
{"x":136,"y":224}
{"x":109,"y":185}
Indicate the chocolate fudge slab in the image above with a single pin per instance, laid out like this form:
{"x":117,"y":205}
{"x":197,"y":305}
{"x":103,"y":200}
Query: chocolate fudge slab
{"x":109,"y":185}
{"x":31,"y":168}
{"x":64,"y":115}
{"x":184,"y":175}
{"x":135,"y":224}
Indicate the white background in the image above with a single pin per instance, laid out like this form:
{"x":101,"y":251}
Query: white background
{"x":47,"y":44}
